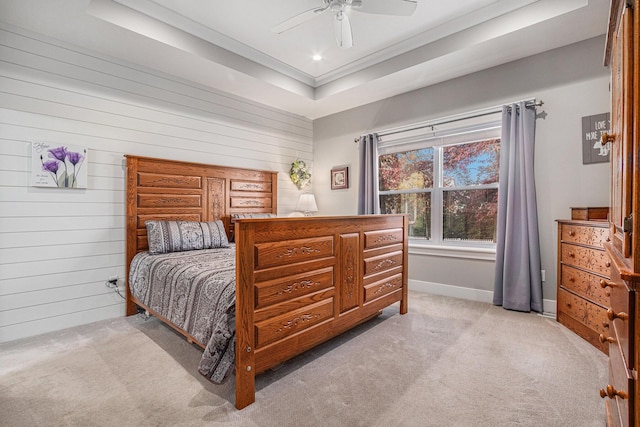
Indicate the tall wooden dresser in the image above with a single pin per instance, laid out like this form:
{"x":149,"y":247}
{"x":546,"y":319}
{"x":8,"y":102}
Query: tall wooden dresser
{"x":622,"y":55}
{"x":583,"y":268}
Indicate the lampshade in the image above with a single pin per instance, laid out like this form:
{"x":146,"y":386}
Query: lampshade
{"x":307,"y":203}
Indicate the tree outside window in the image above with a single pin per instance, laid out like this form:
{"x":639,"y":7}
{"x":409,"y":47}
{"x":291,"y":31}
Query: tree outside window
{"x":450,"y":192}
{"x":405,"y":184}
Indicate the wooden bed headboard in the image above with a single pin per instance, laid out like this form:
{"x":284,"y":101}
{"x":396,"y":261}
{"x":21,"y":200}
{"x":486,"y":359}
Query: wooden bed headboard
{"x":171,"y":190}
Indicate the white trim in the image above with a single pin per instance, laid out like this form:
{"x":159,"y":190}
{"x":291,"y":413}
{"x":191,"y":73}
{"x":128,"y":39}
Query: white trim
{"x":471,"y":294}
{"x":480,"y":295}
{"x":549,"y":307}
{"x":464,"y":252}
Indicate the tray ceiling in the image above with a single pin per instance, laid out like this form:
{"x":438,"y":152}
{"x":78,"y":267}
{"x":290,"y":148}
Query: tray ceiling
{"x":230,"y":45}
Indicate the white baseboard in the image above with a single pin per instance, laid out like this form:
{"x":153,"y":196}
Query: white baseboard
{"x":549,"y":305}
{"x":451,"y":291}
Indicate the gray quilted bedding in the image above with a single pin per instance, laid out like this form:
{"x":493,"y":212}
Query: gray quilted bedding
{"x":195,"y":290}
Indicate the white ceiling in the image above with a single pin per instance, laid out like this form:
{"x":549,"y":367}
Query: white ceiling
{"x":230,"y":46}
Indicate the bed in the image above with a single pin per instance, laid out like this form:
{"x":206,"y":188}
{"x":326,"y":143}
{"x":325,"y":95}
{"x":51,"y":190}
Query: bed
{"x":286,"y":284}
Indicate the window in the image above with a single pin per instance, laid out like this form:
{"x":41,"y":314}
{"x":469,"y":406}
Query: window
{"x":447,"y":183}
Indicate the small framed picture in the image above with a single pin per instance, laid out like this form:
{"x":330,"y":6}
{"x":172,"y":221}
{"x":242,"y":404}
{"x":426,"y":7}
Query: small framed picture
{"x":339,"y":178}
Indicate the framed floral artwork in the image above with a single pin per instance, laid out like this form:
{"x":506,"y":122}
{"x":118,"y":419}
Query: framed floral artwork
{"x":59,"y":166}
{"x":339,"y":178}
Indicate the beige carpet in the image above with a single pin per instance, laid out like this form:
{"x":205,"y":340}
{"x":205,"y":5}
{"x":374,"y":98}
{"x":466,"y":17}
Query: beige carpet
{"x":448,"y":362}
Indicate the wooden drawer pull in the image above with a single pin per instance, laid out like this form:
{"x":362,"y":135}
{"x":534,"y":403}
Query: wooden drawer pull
{"x":572,"y":233}
{"x":572,"y":255}
{"x":604,"y":284}
{"x":605,"y":325}
{"x":607,"y":264}
{"x":612,"y":315}
{"x":604,"y":339}
{"x":611,"y":393}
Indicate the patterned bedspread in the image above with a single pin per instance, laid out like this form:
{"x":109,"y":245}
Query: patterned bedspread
{"x":195,"y":290}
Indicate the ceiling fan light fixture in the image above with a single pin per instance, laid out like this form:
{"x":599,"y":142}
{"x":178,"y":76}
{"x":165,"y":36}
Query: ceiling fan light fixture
{"x":339,"y":9}
{"x":336,"y":6}
{"x":342,"y":30}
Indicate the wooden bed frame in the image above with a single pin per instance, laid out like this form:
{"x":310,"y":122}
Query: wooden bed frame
{"x":299,"y":281}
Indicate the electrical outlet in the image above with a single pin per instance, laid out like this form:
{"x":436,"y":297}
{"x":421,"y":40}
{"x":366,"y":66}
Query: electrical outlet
{"x":543,"y":274}
{"x":113,"y":279}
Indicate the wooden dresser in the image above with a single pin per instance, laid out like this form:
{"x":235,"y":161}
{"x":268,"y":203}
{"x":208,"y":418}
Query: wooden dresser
{"x":583,"y":268}
{"x":622,"y":55}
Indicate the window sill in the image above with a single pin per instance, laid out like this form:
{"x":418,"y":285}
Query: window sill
{"x":464,"y":252}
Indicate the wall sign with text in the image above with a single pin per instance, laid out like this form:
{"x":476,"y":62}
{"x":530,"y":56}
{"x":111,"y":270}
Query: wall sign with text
{"x":592,"y":129}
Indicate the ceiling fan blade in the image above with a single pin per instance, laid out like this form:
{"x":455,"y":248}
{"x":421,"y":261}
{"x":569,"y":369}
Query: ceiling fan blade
{"x":342,"y":30}
{"x":385,"y":7}
{"x":298,"y":19}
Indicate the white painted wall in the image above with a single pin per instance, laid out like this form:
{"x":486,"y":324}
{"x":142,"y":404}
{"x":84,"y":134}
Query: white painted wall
{"x":571,"y":81}
{"x":58,"y":247}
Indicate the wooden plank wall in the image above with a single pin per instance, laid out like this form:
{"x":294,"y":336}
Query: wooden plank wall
{"x":58,"y":247}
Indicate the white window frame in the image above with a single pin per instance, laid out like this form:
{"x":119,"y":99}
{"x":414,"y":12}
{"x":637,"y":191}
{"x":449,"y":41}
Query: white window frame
{"x":453,"y":134}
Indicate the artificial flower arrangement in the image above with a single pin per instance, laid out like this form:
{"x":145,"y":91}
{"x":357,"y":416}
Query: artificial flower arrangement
{"x":299,"y":174}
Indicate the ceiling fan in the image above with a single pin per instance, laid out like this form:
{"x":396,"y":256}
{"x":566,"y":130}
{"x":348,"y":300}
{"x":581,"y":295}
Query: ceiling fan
{"x":341,"y":23}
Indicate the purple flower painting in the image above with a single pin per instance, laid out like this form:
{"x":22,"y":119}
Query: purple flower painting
{"x":60,"y":166}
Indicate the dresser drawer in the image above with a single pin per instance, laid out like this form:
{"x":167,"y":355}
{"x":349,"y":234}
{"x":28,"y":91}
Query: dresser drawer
{"x":381,"y":263}
{"x":584,"y":235}
{"x":620,"y":390}
{"x":622,"y":305}
{"x":375,"y":239}
{"x":585,"y":284}
{"x":585,"y":318}
{"x":288,"y":288}
{"x":382,"y":287}
{"x":279,"y":327}
{"x":588,"y":258}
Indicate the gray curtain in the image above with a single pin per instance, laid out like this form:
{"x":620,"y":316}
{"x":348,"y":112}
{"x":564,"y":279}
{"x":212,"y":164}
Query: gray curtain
{"x":368,"y":202}
{"x":518,"y":281}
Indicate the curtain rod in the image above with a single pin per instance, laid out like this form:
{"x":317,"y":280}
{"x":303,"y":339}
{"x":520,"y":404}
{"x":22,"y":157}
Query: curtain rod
{"x":451,"y":119}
